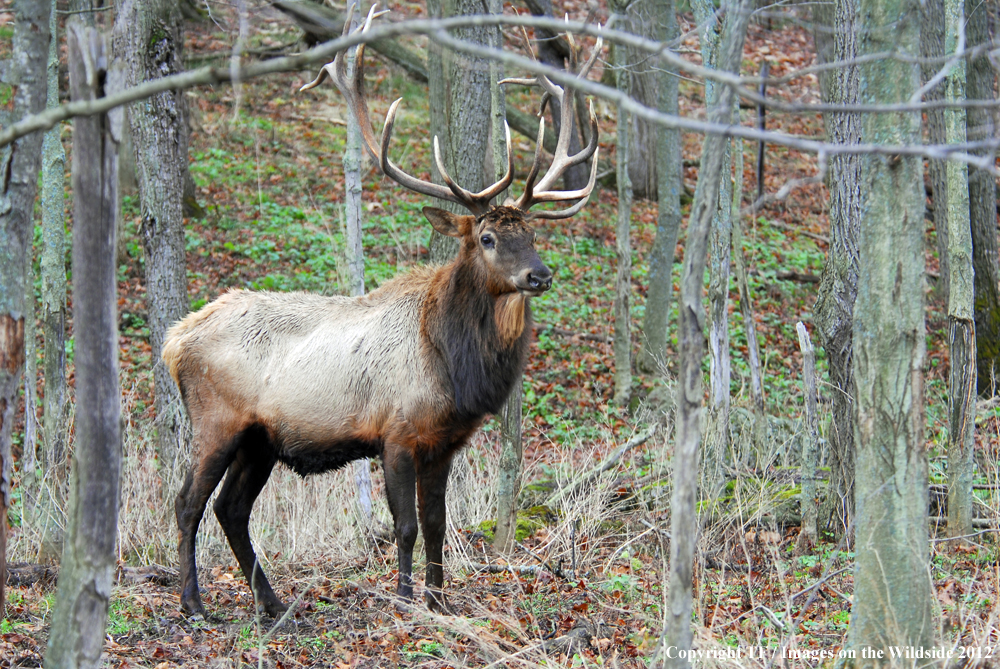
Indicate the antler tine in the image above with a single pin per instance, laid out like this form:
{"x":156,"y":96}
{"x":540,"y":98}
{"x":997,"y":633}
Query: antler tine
{"x":477,"y":202}
{"x":575,"y":209}
{"x":529,"y":183}
{"x":392,"y":171}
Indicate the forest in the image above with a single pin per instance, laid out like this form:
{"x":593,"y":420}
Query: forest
{"x":699,"y":371}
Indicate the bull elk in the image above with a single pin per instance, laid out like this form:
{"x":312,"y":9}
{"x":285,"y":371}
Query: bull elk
{"x":406,"y":373}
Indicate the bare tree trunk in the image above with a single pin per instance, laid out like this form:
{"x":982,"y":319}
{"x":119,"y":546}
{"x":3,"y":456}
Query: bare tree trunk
{"x":746,"y":306}
{"x":353,"y":215}
{"x":691,"y":336}
{"x":18,"y":186}
{"x":53,"y":271}
{"x":810,"y":443}
{"x":29,"y":482}
{"x":511,"y":447}
{"x":981,"y":78}
{"x":892,"y":591}
{"x":148,"y":39}
{"x":87,"y":568}
{"x":962,"y":330}
{"x":932,"y":45}
{"x":437,"y":88}
{"x":838,"y":289}
{"x":669,"y":171}
{"x":623,"y":242}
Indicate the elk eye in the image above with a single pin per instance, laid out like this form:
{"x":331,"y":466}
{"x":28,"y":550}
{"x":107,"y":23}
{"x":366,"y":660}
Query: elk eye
{"x":487,"y":241}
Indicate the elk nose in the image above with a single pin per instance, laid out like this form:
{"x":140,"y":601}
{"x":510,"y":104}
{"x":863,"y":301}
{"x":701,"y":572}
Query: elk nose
{"x":540,"y":278}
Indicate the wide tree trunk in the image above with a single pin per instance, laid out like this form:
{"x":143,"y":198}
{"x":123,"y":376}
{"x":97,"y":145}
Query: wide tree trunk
{"x":17,"y":197}
{"x":838,"y":289}
{"x":87,"y":568}
{"x":980,"y":81}
{"x":53,"y":275}
{"x":669,"y":172}
{"x":691,"y":339}
{"x":468,"y":96}
{"x":892,"y":603}
{"x":148,"y":39}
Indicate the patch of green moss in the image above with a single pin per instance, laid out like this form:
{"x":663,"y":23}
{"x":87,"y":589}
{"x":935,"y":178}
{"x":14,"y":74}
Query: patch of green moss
{"x":529,"y":521}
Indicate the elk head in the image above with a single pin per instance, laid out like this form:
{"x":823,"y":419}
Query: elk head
{"x":498,"y":238}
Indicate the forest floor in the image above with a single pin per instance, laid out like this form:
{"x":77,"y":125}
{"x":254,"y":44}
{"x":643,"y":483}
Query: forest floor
{"x":587,"y":588}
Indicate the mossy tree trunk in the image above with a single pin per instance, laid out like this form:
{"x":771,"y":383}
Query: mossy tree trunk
{"x":932,"y":46}
{"x":980,"y":83}
{"x":892,"y":603}
{"x":18,"y":187}
{"x":148,"y":38}
{"x":961,"y":327}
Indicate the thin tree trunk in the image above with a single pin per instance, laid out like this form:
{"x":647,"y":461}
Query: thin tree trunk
{"x":981,"y":78}
{"x":53,"y":274}
{"x":746,"y":306}
{"x":17,"y":195}
{"x":511,"y":447}
{"x":720,"y":252}
{"x":962,"y":331}
{"x":623,"y":243}
{"x":892,"y":587}
{"x":29,"y":482}
{"x":838,"y":289}
{"x":810,"y":444}
{"x":437,"y":88}
{"x":691,"y":338}
{"x":147,"y":35}
{"x":353,"y":215}
{"x":932,"y":45}
{"x":669,"y":171}
{"x":87,"y":568}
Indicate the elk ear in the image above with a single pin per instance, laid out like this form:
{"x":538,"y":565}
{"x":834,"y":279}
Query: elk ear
{"x":448,"y":223}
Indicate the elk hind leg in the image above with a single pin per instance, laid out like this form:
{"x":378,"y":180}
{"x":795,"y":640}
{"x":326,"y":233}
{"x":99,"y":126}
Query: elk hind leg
{"x":247,"y":475}
{"x":432,"y":482}
{"x":400,"y":489}
{"x":189,"y":507}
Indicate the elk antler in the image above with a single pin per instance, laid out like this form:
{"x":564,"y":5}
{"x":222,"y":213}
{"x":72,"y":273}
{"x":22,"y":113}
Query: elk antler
{"x":561,"y":160}
{"x":352,"y":88}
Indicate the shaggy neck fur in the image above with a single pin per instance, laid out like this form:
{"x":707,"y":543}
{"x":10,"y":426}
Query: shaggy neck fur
{"x":483,"y":336}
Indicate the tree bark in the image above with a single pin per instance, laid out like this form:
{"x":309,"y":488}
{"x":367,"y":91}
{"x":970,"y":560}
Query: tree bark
{"x":669,"y":173}
{"x":691,"y":336}
{"x":720,"y":252}
{"x":961,"y":333}
{"x":838,"y":289}
{"x":892,"y":586}
{"x":980,"y":80}
{"x":148,"y":38}
{"x":353,"y":219}
{"x":932,"y":45}
{"x":17,"y":199}
{"x":53,"y":274}
{"x":87,"y":568}
{"x":511,"y":446}
{"x":623,"y":242}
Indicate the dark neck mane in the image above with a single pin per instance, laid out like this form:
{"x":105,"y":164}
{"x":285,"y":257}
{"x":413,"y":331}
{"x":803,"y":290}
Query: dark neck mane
{"x":482,"y":364}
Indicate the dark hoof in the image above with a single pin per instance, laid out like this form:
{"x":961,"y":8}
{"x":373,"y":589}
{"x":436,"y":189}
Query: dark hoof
{"x":274,"y":608}
{"x":193,"y":609}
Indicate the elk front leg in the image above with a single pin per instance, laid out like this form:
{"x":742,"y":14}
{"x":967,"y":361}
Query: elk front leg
{"x":246,"y":478}
{"x":399,"y":488}
{"x":431,"y":486}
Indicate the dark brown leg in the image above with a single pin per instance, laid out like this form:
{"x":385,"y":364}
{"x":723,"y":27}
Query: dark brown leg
{"x":246,"y":478}
{"x":432,"y":482}
{"x":399,"y":488}
{"x":189,"y":508}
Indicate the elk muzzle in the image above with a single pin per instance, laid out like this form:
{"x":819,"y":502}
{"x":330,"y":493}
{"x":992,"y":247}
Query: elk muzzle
{"x":534,"y":281}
